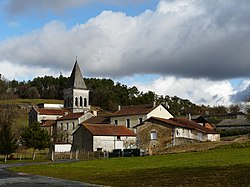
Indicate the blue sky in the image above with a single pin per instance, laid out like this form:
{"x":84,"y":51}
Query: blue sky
{"x":16,"y":25}
{"x":197,"y":49}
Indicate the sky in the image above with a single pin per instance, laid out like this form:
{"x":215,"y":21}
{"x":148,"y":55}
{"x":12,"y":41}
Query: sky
{"x":196,"y":49}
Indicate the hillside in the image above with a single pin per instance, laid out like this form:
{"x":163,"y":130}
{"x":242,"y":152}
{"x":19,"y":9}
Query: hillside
{"x":24,"y":106}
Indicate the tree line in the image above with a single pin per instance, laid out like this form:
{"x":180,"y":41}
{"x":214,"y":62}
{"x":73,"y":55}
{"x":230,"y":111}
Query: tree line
{"x":104,"y":93}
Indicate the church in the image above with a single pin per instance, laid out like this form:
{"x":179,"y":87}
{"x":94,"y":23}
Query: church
{"x":62,"y":120}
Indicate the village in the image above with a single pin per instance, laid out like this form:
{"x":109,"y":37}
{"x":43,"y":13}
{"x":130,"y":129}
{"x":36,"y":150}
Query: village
{"x":150,"y":128}
{"x":124,"y":93}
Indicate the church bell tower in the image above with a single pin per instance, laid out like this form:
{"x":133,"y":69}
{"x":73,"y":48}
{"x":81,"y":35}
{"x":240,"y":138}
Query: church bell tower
{"x":76,"y":96}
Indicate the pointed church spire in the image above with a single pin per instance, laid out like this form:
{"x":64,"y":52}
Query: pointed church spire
{"x":76,"y":79}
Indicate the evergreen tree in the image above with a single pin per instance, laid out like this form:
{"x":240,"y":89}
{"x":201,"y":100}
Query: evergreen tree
{"x":8,"y":143}
{"x":7,"y":138}
{"x":36,"y":138}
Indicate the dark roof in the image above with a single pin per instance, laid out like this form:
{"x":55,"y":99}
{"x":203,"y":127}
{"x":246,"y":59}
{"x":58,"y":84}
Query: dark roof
{"x":76,"y":79}
{"x":200,"y":119}
{"x":71,"y":116}
{"x":98,"y":119}
{"x":108,"y":130}
{"x":233,"y":122}
{"x":49,"y":111}
{"x":183,"y":123}
{"x":134,"y":110}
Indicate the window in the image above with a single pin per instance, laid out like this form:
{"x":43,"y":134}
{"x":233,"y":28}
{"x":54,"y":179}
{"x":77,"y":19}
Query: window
{"x":73,"y":124}
{"x":128,"y":123}
{"x":116,"y":122}
{"x":67,"y":127}
{"x":118,"y":137}
{"x":85,"y":102}
{"x":61,"y":126}
{"x":140,"y":120}
{"x":153,"y":135}
{"x":80,"y":100}
{"x":65,"y":103}
{"x":67,"y":138}
{"x":68,"y":101}
{"x":76,"y":101}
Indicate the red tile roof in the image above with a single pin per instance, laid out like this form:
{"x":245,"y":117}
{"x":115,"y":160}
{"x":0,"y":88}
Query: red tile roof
{"x":49,"y":111}
{"x":193,"y":125}
{"x":108,"y":130}
{"x":134,"y":110}
{"x":71,"y":116}
{"x":48,"y":123}
{"x":184,"y":123}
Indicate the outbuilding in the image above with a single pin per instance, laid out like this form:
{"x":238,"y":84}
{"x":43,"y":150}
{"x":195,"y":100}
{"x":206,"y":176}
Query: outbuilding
{"x":103,"y":137}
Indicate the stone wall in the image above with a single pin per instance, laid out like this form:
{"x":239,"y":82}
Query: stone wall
{"x":164,"y":137}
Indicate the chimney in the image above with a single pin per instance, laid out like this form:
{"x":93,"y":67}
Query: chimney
{"x":119,"y":107}
{"x":189,"y":117}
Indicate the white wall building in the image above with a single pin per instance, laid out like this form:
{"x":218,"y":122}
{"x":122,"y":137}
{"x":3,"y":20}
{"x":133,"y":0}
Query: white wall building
{"x":103,"y":137}
{"x":131,"y":116}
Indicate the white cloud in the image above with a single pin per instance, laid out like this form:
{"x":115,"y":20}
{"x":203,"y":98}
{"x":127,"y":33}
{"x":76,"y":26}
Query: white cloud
{"x":199,"y":91}
{"x":18,"y":72}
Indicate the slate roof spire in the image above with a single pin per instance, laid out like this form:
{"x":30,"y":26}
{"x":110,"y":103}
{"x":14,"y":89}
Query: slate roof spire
{"x":76,"y":79}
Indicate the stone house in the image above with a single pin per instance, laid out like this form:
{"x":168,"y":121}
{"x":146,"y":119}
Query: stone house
{"x":103,"y":137}
{"x":158,"y":133}
{"x":131,"y":116}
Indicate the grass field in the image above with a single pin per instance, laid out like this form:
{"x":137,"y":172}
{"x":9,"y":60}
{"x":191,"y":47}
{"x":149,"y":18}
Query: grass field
{"x":30,"y":101}
{"x":218,"y":167}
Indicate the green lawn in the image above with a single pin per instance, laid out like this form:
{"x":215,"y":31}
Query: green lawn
{"x":219,"y":167}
